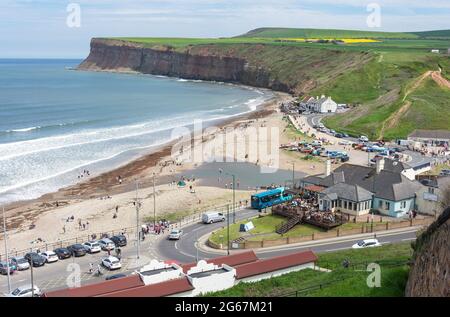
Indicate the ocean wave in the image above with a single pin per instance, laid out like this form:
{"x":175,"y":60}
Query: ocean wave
{"x":23,"y":129}
{"x":49,"y":126}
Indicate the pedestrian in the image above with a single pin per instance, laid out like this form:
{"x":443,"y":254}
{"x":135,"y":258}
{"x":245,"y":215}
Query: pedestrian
{"x":64,"y":229}
{"x":84,"y":226}
{"x":117,"y":209}
{"x":91,"y":268}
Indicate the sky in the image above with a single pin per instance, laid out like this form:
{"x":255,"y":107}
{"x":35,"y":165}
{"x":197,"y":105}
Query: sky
{"x":40,"y":28}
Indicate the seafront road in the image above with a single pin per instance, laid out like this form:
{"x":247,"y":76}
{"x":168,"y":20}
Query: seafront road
{"x":55,"y":276}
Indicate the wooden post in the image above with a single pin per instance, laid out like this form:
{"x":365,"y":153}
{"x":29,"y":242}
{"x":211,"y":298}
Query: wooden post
{"x":337,"y":232}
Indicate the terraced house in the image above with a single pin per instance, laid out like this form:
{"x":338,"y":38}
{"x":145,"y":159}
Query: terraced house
{"x":356,"y":189}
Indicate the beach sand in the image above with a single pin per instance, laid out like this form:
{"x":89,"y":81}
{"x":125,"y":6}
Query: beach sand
{"x":85,"y":201}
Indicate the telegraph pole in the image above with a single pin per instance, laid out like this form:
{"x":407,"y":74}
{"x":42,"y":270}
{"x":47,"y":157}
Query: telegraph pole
{"x":6,"y":251}
{"x":138,"y":240}
{"x":234,"y":198}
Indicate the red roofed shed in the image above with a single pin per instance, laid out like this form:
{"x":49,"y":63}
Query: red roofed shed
{"x":231,"y":260}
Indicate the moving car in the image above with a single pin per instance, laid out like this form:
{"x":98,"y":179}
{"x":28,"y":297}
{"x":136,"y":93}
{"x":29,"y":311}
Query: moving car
{"x":92,"y":247}
{"x":63,"y":253}
{"x":35,"y":259}
{"x":106,"y":244}
{"x":50,"y":256}
{"x":119,"y":240}
{"x":368,"y":243}
{"x":115,"y":276}
{"x":175,"y":234}
{"x":111,"y":263}
{"x":4,"y":268}
{"x":21,"y":263}
{"x":25,"y":291}
{"x":77,"y":250}
{"x":211,"y":217}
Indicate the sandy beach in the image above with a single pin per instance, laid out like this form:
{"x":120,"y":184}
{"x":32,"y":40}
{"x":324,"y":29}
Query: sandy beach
{"x":93,"y":202}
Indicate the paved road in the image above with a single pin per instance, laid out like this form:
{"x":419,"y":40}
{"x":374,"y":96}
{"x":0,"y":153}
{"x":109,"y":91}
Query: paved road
{"x":185,"y":250}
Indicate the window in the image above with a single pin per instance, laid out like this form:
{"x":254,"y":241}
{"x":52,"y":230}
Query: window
{"x":431,"y":190}
{"x":380,"y":204}
{"x":403,"y":204}
{"x":345,"y":204}
{"x":350,"y":205}
{"x":354,"y":206}
{"x":340,"y":203}
{"x":388,"y":205}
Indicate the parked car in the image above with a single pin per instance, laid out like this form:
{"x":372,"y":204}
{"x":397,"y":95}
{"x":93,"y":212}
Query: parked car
{"x":25,"y":291}
{"x":175,"y":234}
{"x":106,"y":244}
{"x":444,"y":172}
{"x":77,"y":250}
{"x":115,"y":276}
{"x":119,"y":240}
{"x":368,"y":243}
{"x":21,"y":263}
{"x":111,"y":263}
{"x":345,"y":158}
{"x":35,"y":259}
{"x":50,"y":256}
{"x":63,"y":253}
{"x":339,"y":135}
{"x":211,"y":217}
{"x":363,"y":138}
{"x":92,"y":247}
{"x":5,"y":267}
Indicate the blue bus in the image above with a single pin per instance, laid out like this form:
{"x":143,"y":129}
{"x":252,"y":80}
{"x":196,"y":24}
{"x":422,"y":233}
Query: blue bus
{"x":270,"y":198}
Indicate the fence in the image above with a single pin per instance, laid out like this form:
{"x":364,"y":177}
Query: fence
{"x":364,"y":228}
{"x":361,"y":266}
{"x":129,"y":232}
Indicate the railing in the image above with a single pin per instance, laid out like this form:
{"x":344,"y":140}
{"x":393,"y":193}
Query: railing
{"x":361,"y":266}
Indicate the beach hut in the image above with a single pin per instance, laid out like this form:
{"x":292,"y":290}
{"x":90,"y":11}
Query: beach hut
{"x":181,"y":184}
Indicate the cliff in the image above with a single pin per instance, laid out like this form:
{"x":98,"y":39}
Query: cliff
{"x":288,"y":69}
{"x":429,"y":274}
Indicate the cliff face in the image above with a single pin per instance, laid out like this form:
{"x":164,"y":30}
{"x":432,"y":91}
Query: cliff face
{"x":429,"y":275}
{"x":244,"y":64}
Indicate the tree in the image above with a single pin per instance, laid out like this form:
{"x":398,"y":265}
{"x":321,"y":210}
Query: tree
{"x":445,"y":198}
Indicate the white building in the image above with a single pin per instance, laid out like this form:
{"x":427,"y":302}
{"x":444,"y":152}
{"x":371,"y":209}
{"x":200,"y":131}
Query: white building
{"x":321,"y":105}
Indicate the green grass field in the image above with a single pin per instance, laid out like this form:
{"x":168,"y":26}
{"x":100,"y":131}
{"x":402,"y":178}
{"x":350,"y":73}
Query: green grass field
{"x":371,"y":76}
{"x":341,"y":282}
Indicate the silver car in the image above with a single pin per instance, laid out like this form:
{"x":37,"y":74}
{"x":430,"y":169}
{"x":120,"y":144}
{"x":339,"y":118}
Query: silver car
{"x":21,"y":263}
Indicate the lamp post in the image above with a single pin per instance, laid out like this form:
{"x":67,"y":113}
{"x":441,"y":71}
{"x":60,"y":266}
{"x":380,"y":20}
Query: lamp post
{"x":293,"y":174}
{"x":137,"y":222}
{"x":228,"y":229}
{"x":6,"y":251}
{"x":154,"y":203}
{"x":234,"y":192}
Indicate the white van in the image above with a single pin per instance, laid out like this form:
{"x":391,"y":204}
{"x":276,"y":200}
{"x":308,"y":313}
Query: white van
{"x":210,"y":217}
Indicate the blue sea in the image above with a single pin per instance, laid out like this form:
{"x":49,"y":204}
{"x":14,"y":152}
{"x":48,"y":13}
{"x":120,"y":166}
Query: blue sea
{"x":55,"y":122}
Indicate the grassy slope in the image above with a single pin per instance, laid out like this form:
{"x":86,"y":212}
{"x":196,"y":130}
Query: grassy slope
{"x":340,"y":282}
{"x":377,"y":87}
{"x":323,"y":33}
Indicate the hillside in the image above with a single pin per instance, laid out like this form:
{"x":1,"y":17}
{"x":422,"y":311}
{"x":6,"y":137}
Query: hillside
{"x":374,"y":77}
{"x":325,"y":33}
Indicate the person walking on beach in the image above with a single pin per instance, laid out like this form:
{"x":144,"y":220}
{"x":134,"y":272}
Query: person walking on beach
{"x":64,"y":229}
{"x":117,"y":209}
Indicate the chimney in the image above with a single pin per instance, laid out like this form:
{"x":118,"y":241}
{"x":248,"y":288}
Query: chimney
{"x":380,"y":165}
{"x":328,"y":168}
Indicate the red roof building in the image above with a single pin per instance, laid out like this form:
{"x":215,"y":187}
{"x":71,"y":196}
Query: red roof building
{"x":230,"y":260}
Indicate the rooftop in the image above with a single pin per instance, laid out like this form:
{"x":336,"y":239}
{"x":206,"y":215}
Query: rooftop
{"x":208,"y":273}
{"x":231,"y":260}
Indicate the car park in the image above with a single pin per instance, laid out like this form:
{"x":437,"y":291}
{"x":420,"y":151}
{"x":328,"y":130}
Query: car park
{"x":106,"y":244}
{"x":25,"y":291}
{"x":63,"y":253}
{"x":49,"y":256}
{"x":111,"y":263}
{"x":35,"y":259}
{"x":7,"y":267}
{"x":211,"y":217}
{"x":119,"y":240}
{"x":368,"y":243}
{"x":175,"y":234}
{"x":21,"y":263}
{"x":92,"y":247}
{"x":445,"y":172}
{"x":77,"y":250}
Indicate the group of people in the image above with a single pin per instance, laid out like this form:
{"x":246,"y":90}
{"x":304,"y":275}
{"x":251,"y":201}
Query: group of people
{"x":85,"y":173}
{"x":83,"y":225}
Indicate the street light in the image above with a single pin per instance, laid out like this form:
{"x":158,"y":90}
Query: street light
{"x":293,"y":174}
{"x":6,"y":251}
{"x":234,"y":192}
{"x":137,"y":222}
{"x":228,"y":229}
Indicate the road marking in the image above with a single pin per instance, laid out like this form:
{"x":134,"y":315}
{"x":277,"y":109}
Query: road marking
{"x":409,"y":239}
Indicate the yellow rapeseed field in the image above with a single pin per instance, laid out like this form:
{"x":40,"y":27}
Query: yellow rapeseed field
{"x":347,"y":41}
